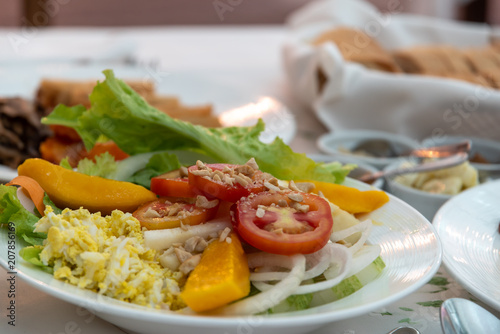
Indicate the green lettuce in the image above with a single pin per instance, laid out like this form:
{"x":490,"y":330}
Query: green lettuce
{"x":12,"y":211}
{"x":104,"y":166}
{"x":31,"y":254}
{"x":122,"y":115}
{"x":138,"y":169}
{"x":158,"y":164}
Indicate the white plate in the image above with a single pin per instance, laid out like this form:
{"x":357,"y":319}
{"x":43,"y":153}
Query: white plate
{"x":7,"y":173}
{"x":410,"y":249}
{"x":468,"y":227}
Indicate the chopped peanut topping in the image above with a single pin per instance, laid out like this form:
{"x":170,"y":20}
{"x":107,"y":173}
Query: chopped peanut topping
{"x":224,"y":234}
{"x":204,"y":203}
{"x":252,"y":163}
{"x":306,"y":187}
{"x":295,"y":197}
{"x":270,"y":186}
{"x":183,"y":171}
{"x":260,"y":212}
{"x":241,"y":174}
{"x":292,"y":186}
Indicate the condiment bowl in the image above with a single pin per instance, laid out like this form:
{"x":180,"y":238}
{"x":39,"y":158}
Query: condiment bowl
{"x":427,"y":203}
{"x":342,"y":145}
{"x":484,"y":153}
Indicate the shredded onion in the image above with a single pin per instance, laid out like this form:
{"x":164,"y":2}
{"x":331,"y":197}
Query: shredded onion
{"x":363,"y":258}
{"x":25,"y":201}
{"x":364,"y":227}
{"x":335,"y":254}
{"x":279,"y":292}
{"x":164,"y":239}
{"x":316,"y":264}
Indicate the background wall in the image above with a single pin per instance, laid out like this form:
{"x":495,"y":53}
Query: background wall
{"x":175,"y":12}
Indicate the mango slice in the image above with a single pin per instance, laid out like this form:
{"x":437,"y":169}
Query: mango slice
{"x":69,"y":189}
{"x":351,"y":199}
{"x":222,"y":276}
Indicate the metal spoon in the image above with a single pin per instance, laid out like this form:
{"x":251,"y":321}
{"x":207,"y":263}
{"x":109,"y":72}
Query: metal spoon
{"x":442,"y":151}
{"x":404,"y":330}
{"x":424,"y":167}
{"x":461,"y":316}
{"x":383,"y":148}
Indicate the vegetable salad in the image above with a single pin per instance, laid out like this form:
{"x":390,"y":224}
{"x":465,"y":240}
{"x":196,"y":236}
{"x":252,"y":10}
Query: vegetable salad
{"x":195,"y":219}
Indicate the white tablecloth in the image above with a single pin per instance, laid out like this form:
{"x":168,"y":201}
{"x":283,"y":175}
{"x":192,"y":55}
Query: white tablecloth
{"x":224,"y":65}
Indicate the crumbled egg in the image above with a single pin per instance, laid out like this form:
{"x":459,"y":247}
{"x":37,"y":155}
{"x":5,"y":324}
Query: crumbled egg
{"x":107,"y":255}
{"x":449,"y":181}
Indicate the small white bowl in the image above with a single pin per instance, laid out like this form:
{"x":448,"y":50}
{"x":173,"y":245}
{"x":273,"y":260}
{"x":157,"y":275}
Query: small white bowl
{"x":487,"y":148}
{"x":360,"y":170}
{"x":426,"y":203}
{"x":339,"y":144}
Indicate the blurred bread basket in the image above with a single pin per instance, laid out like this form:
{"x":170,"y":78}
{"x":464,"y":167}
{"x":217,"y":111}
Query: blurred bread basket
{"x":418,"y":76}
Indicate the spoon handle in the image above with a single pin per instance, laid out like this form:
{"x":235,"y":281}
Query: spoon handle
{"x":425,"y":167}
{"x":442,"y":151}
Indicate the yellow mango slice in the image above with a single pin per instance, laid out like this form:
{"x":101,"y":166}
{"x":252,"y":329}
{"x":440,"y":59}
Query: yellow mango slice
{"x":69,"y":189}
{"x":351,"y":199}
{"x":222,"y":276}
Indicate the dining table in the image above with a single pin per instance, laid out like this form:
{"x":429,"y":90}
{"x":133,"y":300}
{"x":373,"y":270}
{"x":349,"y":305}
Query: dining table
{"x":227,"y":65}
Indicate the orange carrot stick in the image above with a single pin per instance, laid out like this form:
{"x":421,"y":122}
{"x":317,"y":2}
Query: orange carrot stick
{"x":35,"y":191}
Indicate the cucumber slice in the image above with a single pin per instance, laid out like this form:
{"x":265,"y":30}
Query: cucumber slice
{"x":345,"y":288}
{"x":350,"y":284}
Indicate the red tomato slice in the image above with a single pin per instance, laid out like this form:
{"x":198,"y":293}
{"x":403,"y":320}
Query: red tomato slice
{"x":217,"y":187}
{"x":270,"y":222}
{"x":110,"y":147}
{"x":169,"y":212}
{"x":171,"y":184}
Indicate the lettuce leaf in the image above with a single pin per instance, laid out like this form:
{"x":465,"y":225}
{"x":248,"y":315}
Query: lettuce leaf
{"x":104,"y":166}
{"x":31,"y":254}
{"x":11,"y":211}
{"x":138,"y":169}
{"x":122,"y":115}
{"x":158,"y":164}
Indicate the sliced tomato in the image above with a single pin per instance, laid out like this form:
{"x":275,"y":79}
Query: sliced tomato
{"x":173,"y":185}
{"x":110,"y":147}
{"x":221,"y":189}
{"x":280,"y":228}
{"x":170,"y":212}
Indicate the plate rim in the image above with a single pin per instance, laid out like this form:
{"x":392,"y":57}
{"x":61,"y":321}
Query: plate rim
{"x":447,"y":259}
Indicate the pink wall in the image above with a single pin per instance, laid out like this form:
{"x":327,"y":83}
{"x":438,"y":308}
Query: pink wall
{"x":10,"y":13}
{"x":165,"y":12}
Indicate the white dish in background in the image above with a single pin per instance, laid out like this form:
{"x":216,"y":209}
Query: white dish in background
{"x":409,"y":246}
{"x":468,"y":228}
{"x":278,"y":119}
{"x":360,"y":170}
{"x":7,"y":173}
{"x":425,"y":202}
{"x":488,"y":149}
{"x":339,"y":143}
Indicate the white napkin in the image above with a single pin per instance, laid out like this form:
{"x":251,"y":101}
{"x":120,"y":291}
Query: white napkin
{"x":360,"y":98}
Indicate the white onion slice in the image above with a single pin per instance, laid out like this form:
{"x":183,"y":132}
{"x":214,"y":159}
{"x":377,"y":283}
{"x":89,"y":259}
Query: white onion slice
{"x":279,"y":292}
{"x":364,"y":227}
{"x":25,"y":201}
{"x":163,"y":239}
{"x":337,"y":254}
{"x":316,"y":263}
{"x":363,"y":258}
